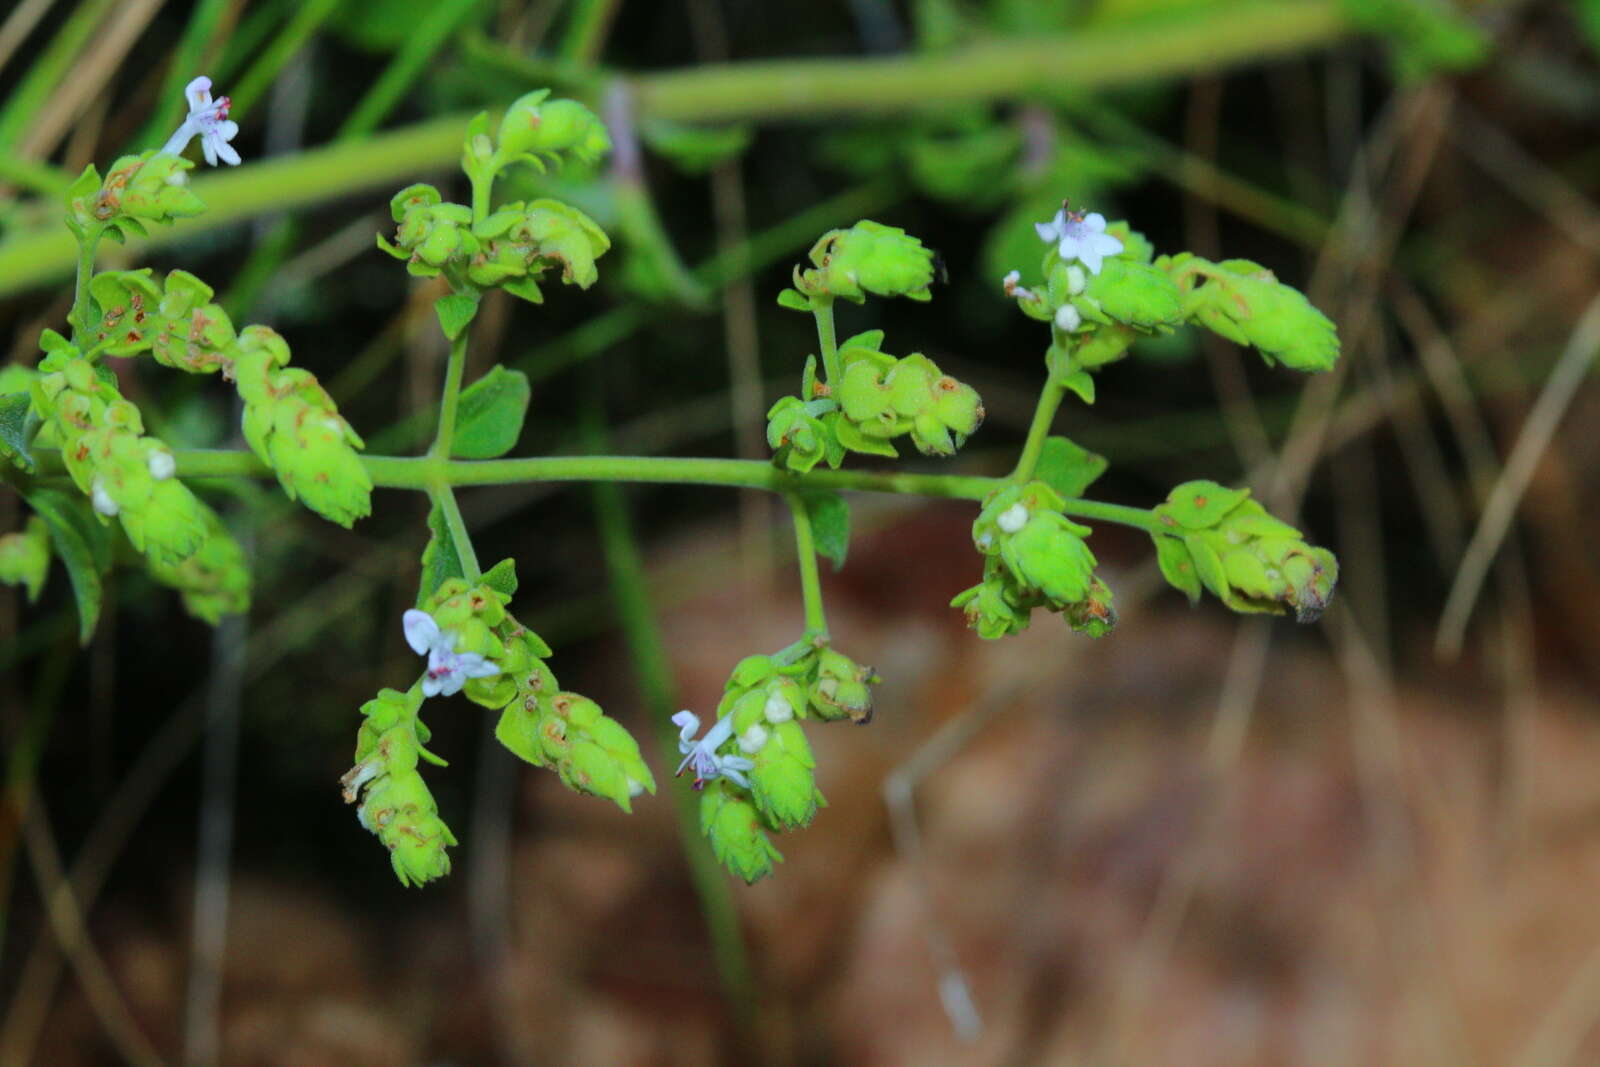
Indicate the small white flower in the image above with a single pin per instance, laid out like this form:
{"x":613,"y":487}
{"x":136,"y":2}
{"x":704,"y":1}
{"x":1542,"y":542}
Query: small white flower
{"x":102,"y":499}
{"x":985,"y":541}
{"x":753,"y":740}
{"x":209,"y":119}
{"x":777,"y":709}
{"x":1011,"y":279}
{"x":162,"y":465}
{"x":1081,"y":237}
{"x":1013,"y":518}
{"x":448,"y":670}
{"x":1067,"y":318}
{"x":702,"y":754}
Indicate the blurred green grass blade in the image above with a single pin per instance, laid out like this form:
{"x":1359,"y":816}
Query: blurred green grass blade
{"x":431,"y":33}
{"x":307,"y":19}
{"x":48,"y":71}
{"x":200,"y":35}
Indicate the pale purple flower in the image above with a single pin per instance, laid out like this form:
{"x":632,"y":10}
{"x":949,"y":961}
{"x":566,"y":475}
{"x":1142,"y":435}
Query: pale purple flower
{"x":702,"y":754}
{"x":1079,"y":236}
{"x":209,"y":119}
{"x":448,"y":670}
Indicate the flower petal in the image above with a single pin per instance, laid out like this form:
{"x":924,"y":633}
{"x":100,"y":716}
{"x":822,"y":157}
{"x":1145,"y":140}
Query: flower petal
{"x":1095,"y":221}
{"x":475,"y":666}
{"x":198,"y":93}
{"x":421,"y":631}
{"x":228,"y":153}
{"x":430,"y":686}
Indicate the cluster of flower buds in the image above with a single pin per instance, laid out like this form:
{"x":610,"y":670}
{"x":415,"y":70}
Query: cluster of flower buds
{"x":25,"y":557}
{"x":125,"y":473}
{"x":1245,"y":303}
{"x":882,"y":397}
{"x":293,"y":426}
{"x":395,"y":802}
{"x":754,"y":765}
{"x":511,"y":247}
{"x":290,"y":421}
{"x":1034,"y":557}
{"x":566,"y":732}
{"x":537,"y":131}
{"x":1218,"y":538}
{"x":878,"y":397}
{"x":149,"y":188}
{"x":869,"y":257}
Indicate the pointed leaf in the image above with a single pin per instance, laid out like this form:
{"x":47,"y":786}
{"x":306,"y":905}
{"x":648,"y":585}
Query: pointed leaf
{"x":489,"y":419}
{"x":455,"y":311}
{"x":440,"y":560}
{"x":502,"y":577}
{"x":1068,"y":468}
{"x":14,"y":427}
{"x":830,"y":525}
{"x":84,"y":546}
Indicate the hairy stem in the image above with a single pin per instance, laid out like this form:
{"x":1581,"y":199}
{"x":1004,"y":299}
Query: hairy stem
{"x":806,"y":556}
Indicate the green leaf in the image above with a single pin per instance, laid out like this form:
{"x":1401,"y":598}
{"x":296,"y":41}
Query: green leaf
{"x":794,"y":300}
{"x":456,"y":310}
{"x":830,"y":524}
{"x":489,"y":419}
{"x":502,"y":577}
{"x":14,"y":426}
{"x":1079,"y":383}
{"x":1068,"y":468}
{"x":84,"y":546}
{"x":440,"y":560}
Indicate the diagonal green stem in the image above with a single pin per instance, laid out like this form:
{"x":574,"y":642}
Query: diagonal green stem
{"x":1038,"y":431}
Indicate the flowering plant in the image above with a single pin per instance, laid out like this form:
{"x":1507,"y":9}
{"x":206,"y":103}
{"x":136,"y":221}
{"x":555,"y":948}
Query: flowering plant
{"x":76,"y":449}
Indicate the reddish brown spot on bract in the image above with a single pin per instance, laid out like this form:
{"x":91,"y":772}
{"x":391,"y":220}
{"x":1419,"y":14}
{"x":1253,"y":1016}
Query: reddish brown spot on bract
{"x":1199,"y":501}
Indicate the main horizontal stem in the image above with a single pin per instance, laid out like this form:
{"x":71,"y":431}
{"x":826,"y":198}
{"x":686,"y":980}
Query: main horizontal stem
{"x":423,"y":472}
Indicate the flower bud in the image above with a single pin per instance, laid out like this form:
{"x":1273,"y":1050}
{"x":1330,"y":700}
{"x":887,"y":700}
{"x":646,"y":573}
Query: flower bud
{"x":734,"y":827}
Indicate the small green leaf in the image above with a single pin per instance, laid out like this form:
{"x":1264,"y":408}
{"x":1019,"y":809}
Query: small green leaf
{"x":1080,"y":383}
{"x":1201,"y":504}
{"x":489,"y":419}
{"x":794,"y":300}
{"x":456,"y":310}
{"x":502,"y":577}
{"x":84,"y":546}
{"x":1177,"y":566}
{"x":1068,"y":468}
{"x":14,"y":427}
{"x":440,"y":560}
{"x":830,"y":524}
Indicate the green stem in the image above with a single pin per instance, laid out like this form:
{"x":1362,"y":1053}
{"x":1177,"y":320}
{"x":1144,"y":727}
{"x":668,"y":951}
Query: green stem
{"x":1038,"y":432}
{"x":806,"y":555}
{"x":79,"y":315}
{"x":822,"y":310}
{"x":444,"y":439}
{"x":425,"y":472}
{"x":482,"y":187}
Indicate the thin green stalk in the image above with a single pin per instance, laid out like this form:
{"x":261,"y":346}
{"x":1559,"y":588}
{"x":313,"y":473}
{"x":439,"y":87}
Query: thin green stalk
{"x":629,"y":588}
{"x":1038,"y":431}
{"x":822,"y":311}
{"x":448,"y":402}
{"x":806,"y":557}
{"x":79,"y":315}
{"x":430,"y":33}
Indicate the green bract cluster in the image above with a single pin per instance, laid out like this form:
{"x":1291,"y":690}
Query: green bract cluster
{"x":290,"y":421}
{"x":879,"y":397}
{"x":395,"y":801}
{"x":151,"y":187}
{"x":763,"y":703}
{"x":869,"y":257}
{"x":1218,"y":538}
{"x":1034,"y":557}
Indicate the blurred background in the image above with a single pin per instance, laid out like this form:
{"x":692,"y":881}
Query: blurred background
{"x":1201,"y":840}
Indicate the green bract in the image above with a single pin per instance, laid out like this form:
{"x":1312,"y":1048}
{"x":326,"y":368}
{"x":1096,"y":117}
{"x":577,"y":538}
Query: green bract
{"x":1219,"y":539}
{"x":151,"y":187}
{"x":869,"y":257}
{"x":25,"y":557}
{"x":1243,"y":302}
